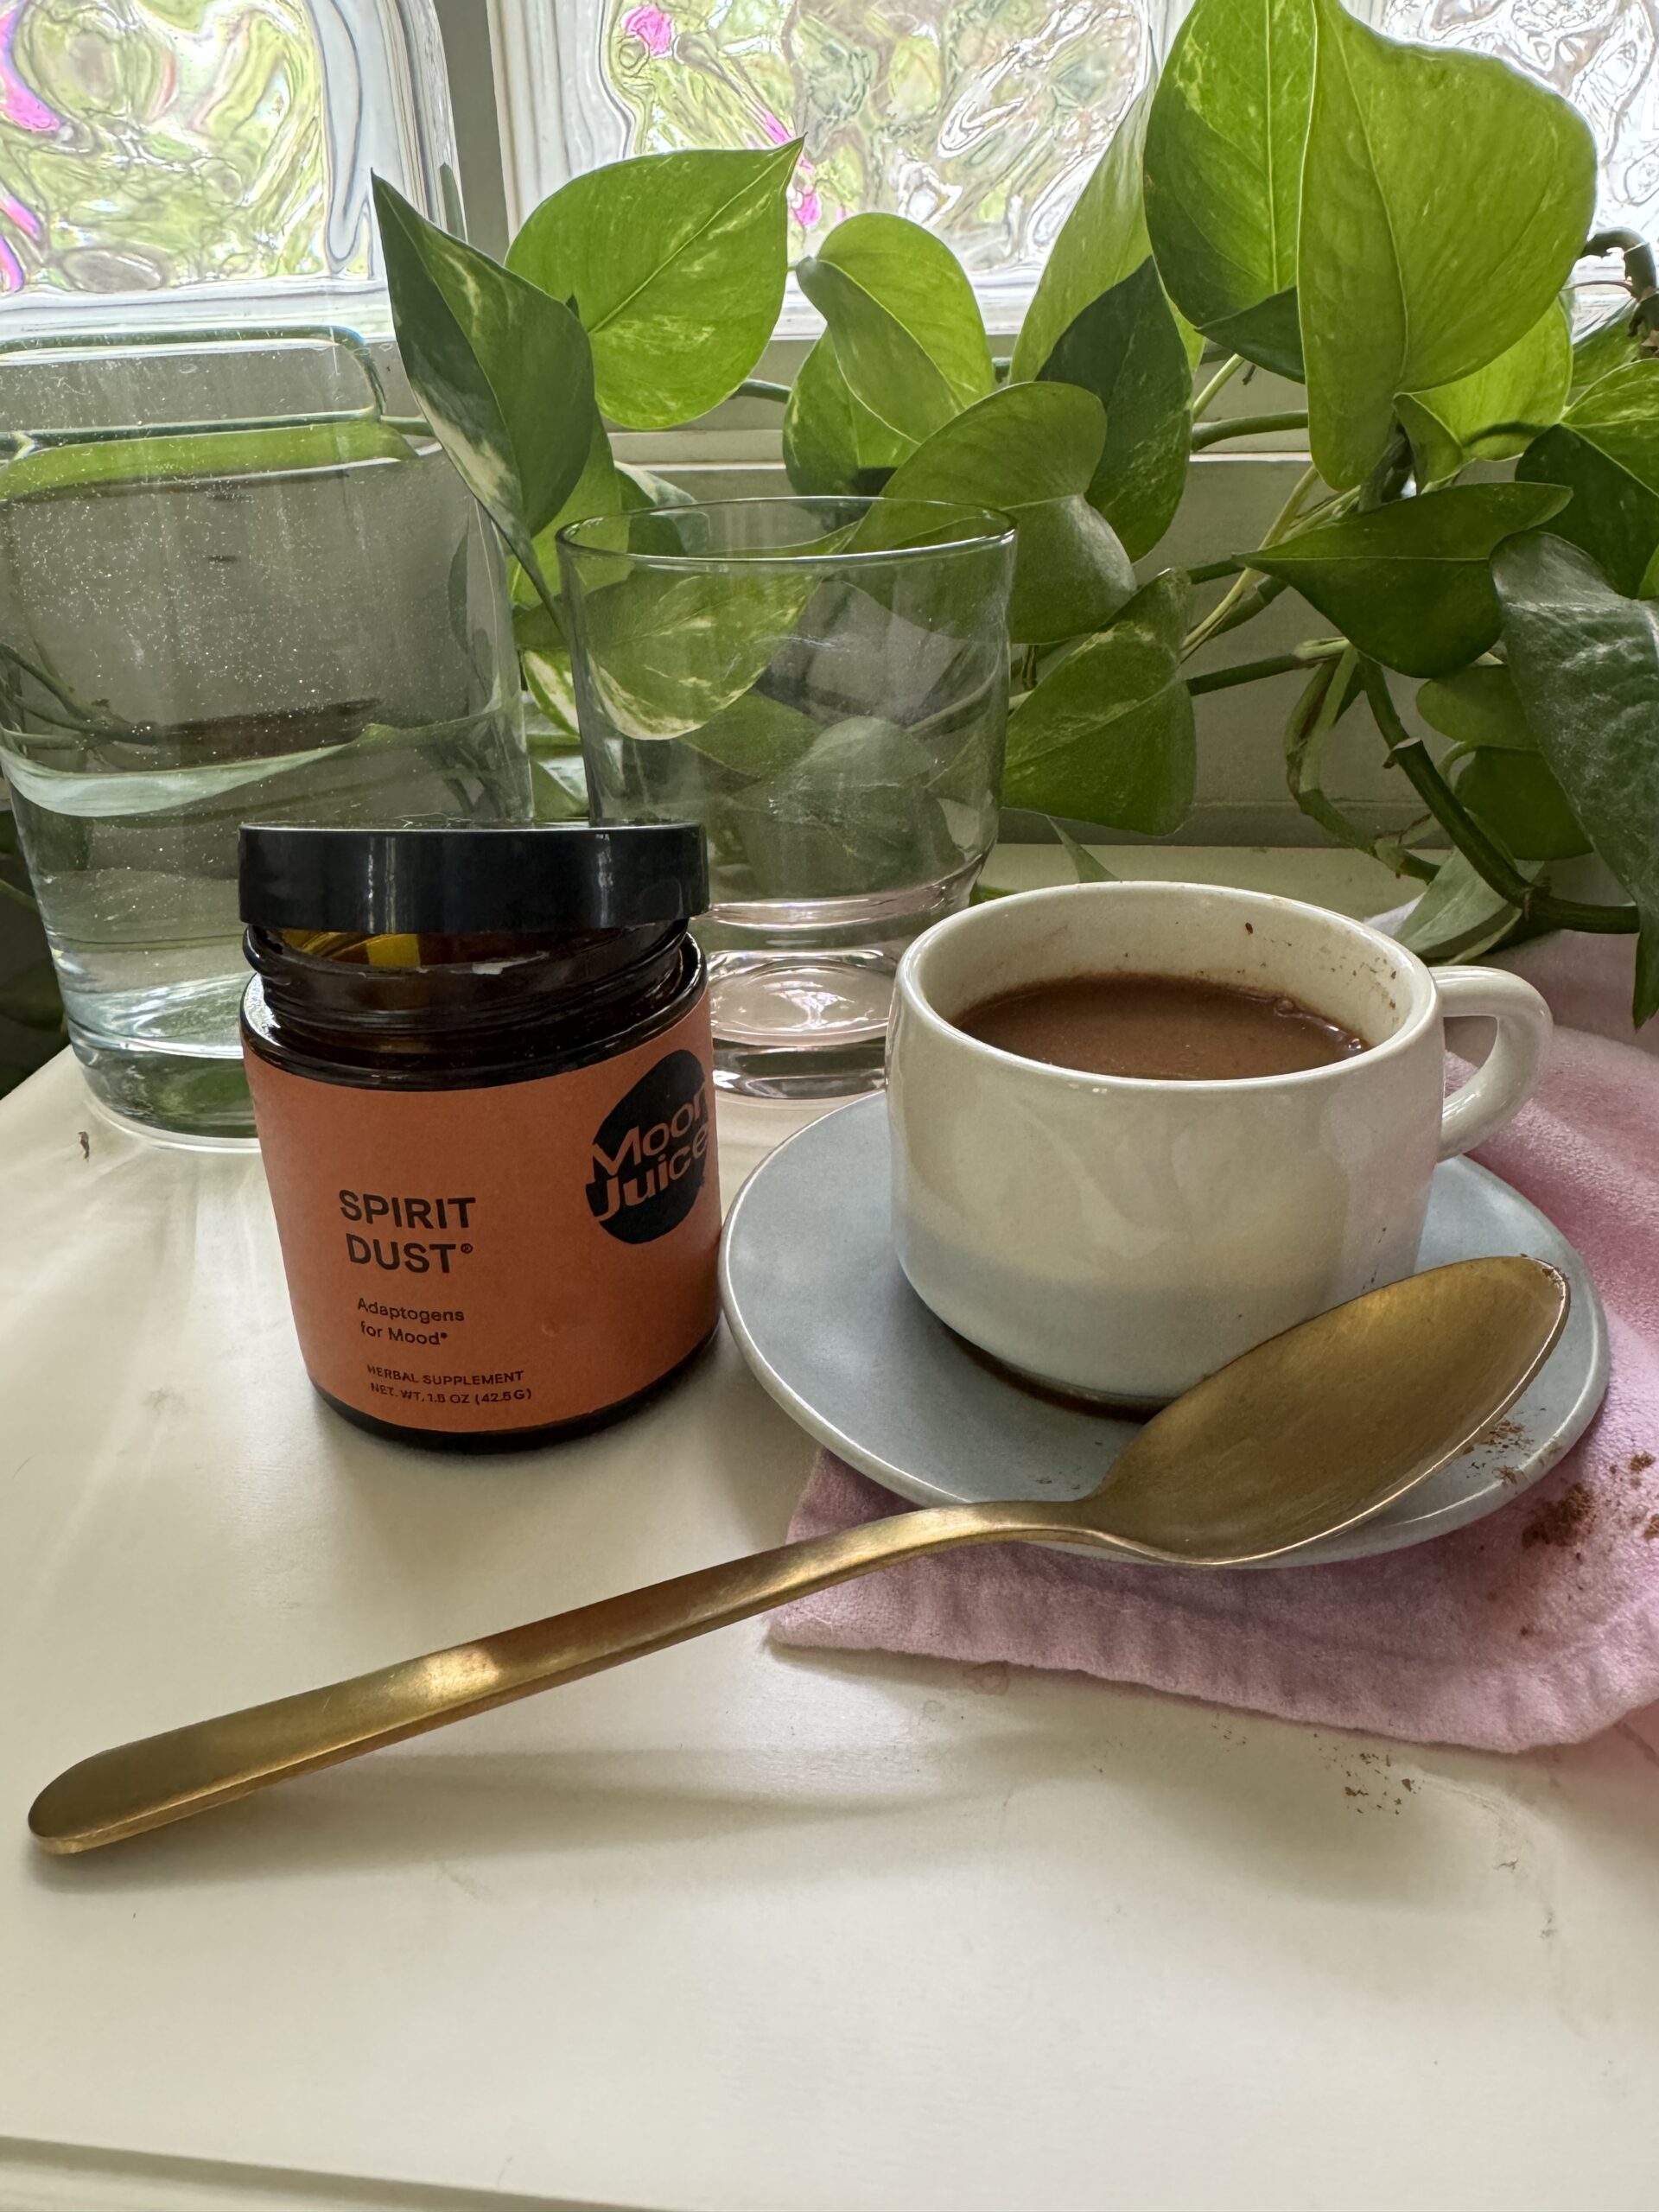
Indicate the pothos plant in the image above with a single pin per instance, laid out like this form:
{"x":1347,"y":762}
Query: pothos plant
{"x":1392,"y":228}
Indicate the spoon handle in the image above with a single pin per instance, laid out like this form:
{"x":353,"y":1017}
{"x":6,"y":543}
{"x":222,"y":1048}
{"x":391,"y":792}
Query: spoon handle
{"x":146,"y":1784}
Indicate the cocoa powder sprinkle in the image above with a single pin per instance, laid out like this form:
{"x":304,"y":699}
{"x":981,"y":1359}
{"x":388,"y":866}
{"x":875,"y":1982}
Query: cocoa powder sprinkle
{"x":1563,"y":1521}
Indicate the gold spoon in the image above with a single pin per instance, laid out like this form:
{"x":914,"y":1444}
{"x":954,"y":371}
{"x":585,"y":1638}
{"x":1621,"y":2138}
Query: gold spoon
{"x":1306,"y":1435}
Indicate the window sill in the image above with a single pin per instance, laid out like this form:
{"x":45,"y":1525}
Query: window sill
{"x":1350,"y":883}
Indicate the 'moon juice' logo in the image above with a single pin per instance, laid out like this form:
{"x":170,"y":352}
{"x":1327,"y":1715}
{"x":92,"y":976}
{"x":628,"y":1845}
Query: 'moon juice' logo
{"x":649,"y":1152}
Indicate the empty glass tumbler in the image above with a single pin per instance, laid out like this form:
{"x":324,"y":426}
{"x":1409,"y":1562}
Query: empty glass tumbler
{"x":822,"y":684}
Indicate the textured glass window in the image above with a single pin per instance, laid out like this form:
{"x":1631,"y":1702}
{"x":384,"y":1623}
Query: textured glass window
{"x":980,"y":118}
{"x":177,"y":155}
{"x":145,"y":147}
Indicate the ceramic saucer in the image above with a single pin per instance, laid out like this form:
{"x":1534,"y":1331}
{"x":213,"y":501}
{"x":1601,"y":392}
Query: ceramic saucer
{"x":825,"y":1318}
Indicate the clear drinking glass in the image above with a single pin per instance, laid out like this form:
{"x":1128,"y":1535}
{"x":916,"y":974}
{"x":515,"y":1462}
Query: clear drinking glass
{"x":822,"y":684}
{"x":307,"y":623}
{"x":237,"y":576}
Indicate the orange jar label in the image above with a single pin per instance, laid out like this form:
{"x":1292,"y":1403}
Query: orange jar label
{"x":502,"y":1257}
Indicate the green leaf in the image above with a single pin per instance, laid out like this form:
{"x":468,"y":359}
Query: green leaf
{"x":548,"y":678}
{"x":667,"y":652}
{"x":1612,"y":345}
{"x":1444,"y":199}
{"x":1452,"y":423}
{"x":879,"y":361}
{"x":1515,"y":796}
{"x":1270,"y":335}
{"x":1458,"y":916}
{"x":1101,"y":242}
{"x":597,"y":491}
{"x":502,"y":372}
{"x":852,"y":814}
{"x":607,"y":487}
{"x":1606,"y":452}
{"x":1031,"y":450}
{"x":918,"y":279}
{"x":1126,"y":349}
{"x":1224,"y":166}
{"x":642,"y":488}
{"x":1107,"y":735}
{"x":1585,"y":662}
{"x":559,"y":788}
{"x":903,"y":319}
{"x":1477,"y":707}
{"x":832,"y":443}
{"x":536,"y":629}
{"x":1084,"y":866}
{"x":1410,"y":583}
{"x":198,"y":454}
{"x":755,"y":736}
{"x":676,"y":265}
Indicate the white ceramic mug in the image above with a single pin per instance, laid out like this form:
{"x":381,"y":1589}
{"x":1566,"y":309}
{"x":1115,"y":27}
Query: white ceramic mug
{"x":1124,"y":1237}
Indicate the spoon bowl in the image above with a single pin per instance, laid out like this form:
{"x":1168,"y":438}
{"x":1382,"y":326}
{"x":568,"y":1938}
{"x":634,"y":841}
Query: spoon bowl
{"x":1298,"y":1438}
{"x":1324,"y":1426}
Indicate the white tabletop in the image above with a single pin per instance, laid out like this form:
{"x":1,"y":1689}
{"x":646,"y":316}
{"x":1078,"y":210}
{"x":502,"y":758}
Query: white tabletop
{"x":728,"y":1928}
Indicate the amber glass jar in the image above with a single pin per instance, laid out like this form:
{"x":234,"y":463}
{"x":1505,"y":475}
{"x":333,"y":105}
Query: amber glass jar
{"x":480,"y":1063}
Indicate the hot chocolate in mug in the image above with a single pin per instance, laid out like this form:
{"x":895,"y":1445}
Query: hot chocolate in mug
{"x":1123,"y":1236}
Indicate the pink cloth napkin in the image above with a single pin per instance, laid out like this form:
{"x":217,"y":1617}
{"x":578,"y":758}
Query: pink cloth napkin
{"x":1539,"y":1625}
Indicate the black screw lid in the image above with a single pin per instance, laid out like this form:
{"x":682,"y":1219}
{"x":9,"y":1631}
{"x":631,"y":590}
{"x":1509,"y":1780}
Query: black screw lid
{"x":472,"y":880}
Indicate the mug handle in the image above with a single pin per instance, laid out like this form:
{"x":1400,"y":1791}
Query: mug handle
{"x":1506,"y":1078}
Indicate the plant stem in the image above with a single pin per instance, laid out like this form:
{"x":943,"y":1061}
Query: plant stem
{"x":1316,"y":713}
{"x":1286,"y":516}
{"x":758,"y":388}
{"x":1210,"y":572}
{"x":524,"y":554}
{"x":1245,"y":426}
{"x":1201,"y":632}
{"x":1639,"y":270}
{"x":1493,"y":866}
{"x":90,"y":724}
{"x":1260,"y":596}
{"x":1252,"y":671}
{"x":1245,"y":671}
{"x":1220,"y":616}
{"x":1224,"y":375}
